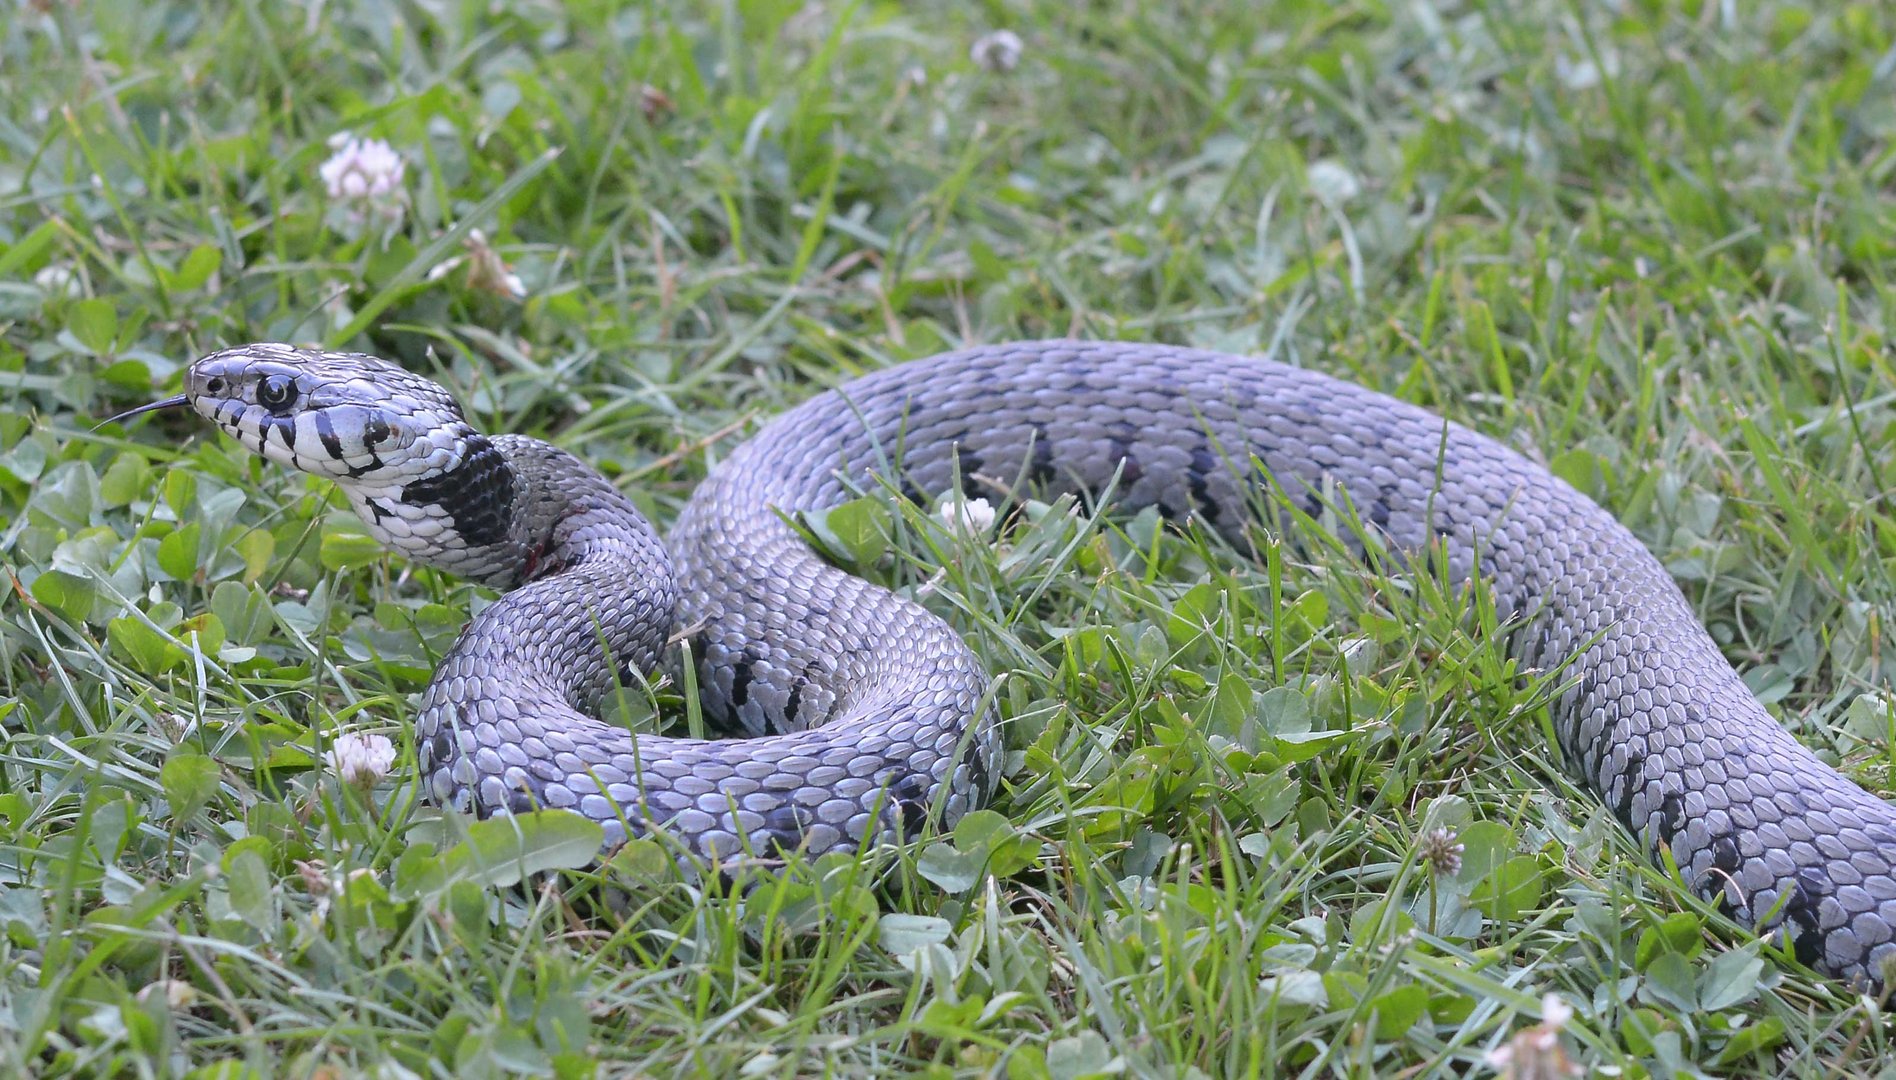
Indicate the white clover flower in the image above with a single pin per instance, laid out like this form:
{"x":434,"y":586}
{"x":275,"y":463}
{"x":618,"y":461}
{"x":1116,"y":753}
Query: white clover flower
{"x":1576,"y":74}
{"x":1535,"y":1053}
{"x":361,"y":759}
{"x":362,"y":168}
{"x":177,"y":993}
{"x":1441,"y":851}
{"x":486,"y":270}
{"x":999,"y":51}
{"x":1555,"y":1012}
{"x":970,"y":517}
{"x":364,"y":180}
{"x":1332,"y":182}
{"x":57,"y":279}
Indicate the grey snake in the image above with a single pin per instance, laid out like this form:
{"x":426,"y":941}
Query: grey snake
{"x":869,"y":717}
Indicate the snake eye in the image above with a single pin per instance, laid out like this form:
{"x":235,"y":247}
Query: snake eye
{"x":277,"y":393}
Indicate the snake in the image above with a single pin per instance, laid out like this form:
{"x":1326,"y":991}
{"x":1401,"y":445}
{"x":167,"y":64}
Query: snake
{"x":846,"y":714}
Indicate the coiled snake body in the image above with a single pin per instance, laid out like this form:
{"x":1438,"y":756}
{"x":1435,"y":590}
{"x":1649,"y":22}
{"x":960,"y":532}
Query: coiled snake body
{"x":869,"y":714}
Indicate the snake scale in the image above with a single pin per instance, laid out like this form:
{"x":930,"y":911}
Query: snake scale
{"x":867,"y":715}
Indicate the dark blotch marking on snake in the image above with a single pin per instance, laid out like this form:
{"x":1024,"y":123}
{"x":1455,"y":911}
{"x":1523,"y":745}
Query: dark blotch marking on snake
{"x":436,"y":751}
{"x":332,"y":443}
{"x":526,"y":797}
{"x":1623,"y":804}
{"x":741,"y":677}
{"x":978,"y":776}
{"x":1801,"y":911}
{"x":720,"y":719}
{"x":1119,"y":444}
{"x":912,"y":493}
{"x":1592,"y":756}
{"x":1198,"y":478}
{"x":477,"y":494}
{"x":812,"y":672}
{"x":967,"y":464}
{"x":284,"y":426}
{"x":911,"y":799}
{"x":1313,"y":503}
{"x":784,"y":826}
{"x":1543,"y":642}
{"x":1380,"y":513}
{"x":1041,"y":472}
{"x":795,"y":702}
{"x":326,"y":432}
{"x":1672,"y":816}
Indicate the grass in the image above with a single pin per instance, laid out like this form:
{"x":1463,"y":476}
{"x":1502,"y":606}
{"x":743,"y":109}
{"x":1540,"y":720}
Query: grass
{"x":1649,"y":243}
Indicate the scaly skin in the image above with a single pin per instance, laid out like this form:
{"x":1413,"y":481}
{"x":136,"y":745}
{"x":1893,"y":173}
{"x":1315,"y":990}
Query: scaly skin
{"x":868,"y":711}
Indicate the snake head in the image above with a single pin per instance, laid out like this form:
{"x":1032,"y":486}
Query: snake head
{"x":346,"y":416}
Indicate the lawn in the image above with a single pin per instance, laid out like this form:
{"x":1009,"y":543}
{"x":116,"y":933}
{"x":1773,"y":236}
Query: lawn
{"x":1647,"y":243}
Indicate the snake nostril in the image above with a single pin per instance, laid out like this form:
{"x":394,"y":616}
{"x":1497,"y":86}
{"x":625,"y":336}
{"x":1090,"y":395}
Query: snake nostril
{"x":216,"y":385}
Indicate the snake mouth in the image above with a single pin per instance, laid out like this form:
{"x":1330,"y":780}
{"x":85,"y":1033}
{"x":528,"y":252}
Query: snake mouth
{"x":177,"y":401}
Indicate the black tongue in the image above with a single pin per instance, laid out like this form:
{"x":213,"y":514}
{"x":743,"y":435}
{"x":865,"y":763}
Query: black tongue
{"x":167,"y":403}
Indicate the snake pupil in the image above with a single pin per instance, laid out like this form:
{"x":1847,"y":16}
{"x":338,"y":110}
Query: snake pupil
{"x":277,"y":393}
